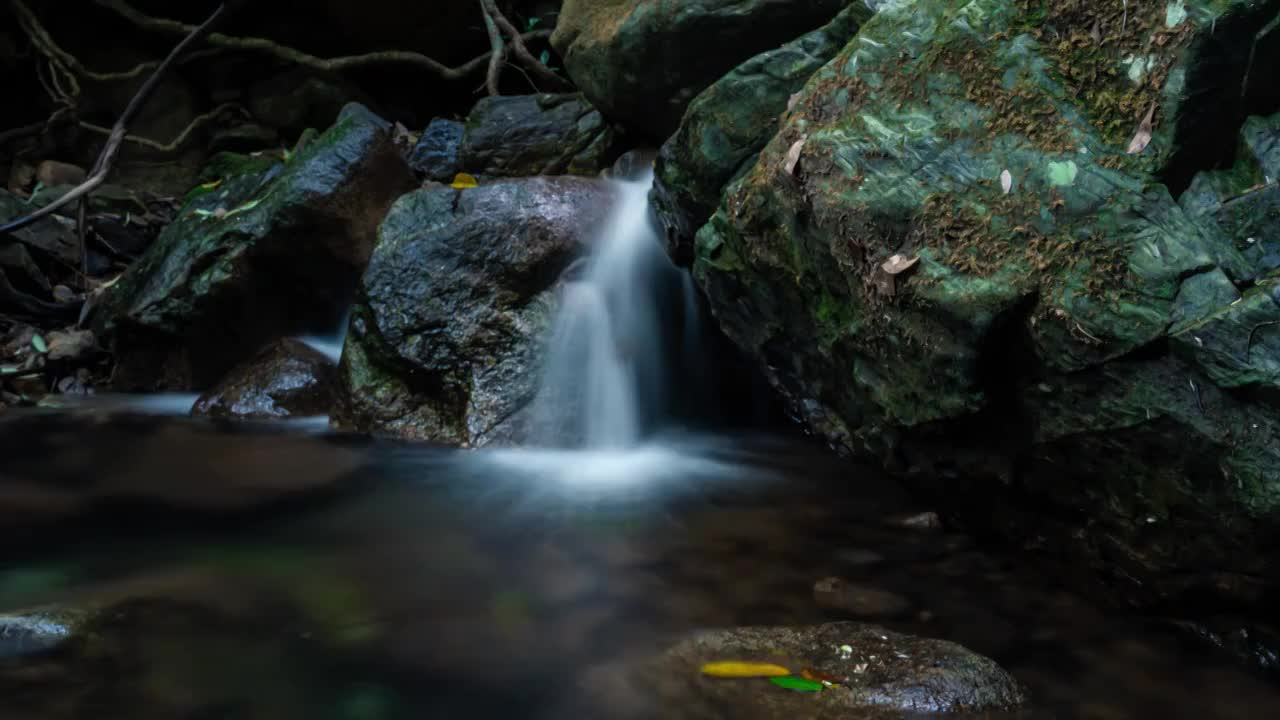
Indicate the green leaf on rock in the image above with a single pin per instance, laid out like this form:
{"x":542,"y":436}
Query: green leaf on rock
{"x":545,"y":57}
{"x":796,"y":684}
{"x":39,"y":344}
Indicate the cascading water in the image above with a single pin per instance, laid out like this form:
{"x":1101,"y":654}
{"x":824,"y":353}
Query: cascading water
{"x":607,"y":366}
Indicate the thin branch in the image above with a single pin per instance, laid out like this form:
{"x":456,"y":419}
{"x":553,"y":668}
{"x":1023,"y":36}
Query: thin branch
{"x":297,"y":57}
{"x":178,"y":142}
{"x":526,"y":58}
{"x":98,"y":174}
{"x":497,"y":51}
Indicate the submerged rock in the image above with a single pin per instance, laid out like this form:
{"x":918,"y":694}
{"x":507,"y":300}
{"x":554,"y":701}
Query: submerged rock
{"x":1066,"y":328}
{"x":728,"y":124}
{"x":521,"y":135}
{"x":641,"y":62}
{"x":286,"y":379}
{"x":446,"y":333}
{"x":261,"y":254}
{"x":882,"y":675}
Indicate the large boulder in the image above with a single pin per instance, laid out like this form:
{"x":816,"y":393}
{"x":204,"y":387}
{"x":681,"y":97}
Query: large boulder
{"x":642,"y":61}
{"x":728,"y":124}
{"x":288,"y":378}
{"x":446,"y":333}
{"x":880,"y":675}
{"x":960,"y":253}
{"x":262,"y":253}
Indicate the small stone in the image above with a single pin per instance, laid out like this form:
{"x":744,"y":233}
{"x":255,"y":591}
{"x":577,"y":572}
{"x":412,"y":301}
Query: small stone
{"x":71,"y":344}
{"x":919,"y":521}
{"x":52,"y":173}
{"x":835,"y":593}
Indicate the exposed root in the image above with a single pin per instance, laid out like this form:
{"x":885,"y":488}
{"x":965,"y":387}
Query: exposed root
{"x":183,"y":137}
{"x":497,"y":50}
{"x":297,"y":57}
{"x":521,"y":51}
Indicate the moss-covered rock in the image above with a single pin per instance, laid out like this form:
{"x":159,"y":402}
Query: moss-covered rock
{"x":642,"y":61}
{"x":1070,"y":339}
{"x":446,"y":334}
{"x":268,"y":249}
{"x":729,"y":122}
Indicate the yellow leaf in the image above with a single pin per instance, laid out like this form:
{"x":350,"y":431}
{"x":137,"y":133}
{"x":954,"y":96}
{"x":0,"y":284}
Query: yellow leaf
{"x":734,"y":669}
{"x":462,"y":181}
{"x":211,"y":185}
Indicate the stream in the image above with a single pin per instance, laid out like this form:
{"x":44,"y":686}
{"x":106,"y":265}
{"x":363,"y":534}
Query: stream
{"x":434,"y":583}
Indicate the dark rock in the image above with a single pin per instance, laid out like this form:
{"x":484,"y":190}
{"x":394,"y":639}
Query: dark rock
{"x":295,"y":100}
{"x":835,"y":593}
{"x":263,"y":254}
{"x":54,"y":237}
{"x":70,"y":344}
{"x":1028,"y":376}
{"x":883,"y":675}
{"x":286,"y":379}
{"x":38,"y":631}
{"x":446,"y":333}
{"x":728,"y":124}
{"x":243,"y":138}
{"x":522,"y":135}
{"x":435,"y":157}
{"x":641,"y":63}
{"x":17,"y":265}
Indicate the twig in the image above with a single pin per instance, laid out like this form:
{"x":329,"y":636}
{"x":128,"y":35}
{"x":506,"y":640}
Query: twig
{"x":297,"y":57}
{"x":103,"y":165}
{"x":497,"y":51}
{"x":526,"y":58}
{"x":178,"y":142}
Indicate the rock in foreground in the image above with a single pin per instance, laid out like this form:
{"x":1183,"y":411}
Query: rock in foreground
{"x":447,"y":331}
{"x":286,"y":379}
{"x":883,"y":676}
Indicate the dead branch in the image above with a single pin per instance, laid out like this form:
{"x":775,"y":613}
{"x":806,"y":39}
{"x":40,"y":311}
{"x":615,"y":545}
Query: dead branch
{"x":521,"y":51}
{"x":103,"y":165}
{"x":497,"y":51}
{"x":297,"y":57}
{"x":178,"y":142}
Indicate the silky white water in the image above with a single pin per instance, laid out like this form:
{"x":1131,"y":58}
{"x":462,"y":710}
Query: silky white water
{"x":606,"y":377}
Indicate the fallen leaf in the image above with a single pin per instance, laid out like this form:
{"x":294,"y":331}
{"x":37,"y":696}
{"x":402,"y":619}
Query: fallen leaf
{"x":898,"y":264}
{"x":819,"y":676}
{"x":463,"y":181}
{"x":1143,"y":137}
{"x":797,"y":684}
{"x":39,"y":344}
{"x":1006,"y":181}
{"x":211,"y":185}
{"x":737,"y":669}
{"x":793,"y":155}
{"x":791,"y":101}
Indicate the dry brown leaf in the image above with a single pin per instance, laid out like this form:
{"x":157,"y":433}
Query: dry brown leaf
{"x":898,"y":264}
{"x":793,"y":155}
{"x":1006,"y":181}
{"x":1143,"y":137}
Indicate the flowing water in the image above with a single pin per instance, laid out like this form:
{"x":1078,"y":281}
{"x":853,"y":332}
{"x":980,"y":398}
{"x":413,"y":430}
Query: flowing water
{"x":273,"y":572}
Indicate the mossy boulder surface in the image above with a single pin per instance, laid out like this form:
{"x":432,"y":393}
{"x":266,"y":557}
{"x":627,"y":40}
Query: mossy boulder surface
{"x":266,"y":250}
{"x":446,"y":336}
{"x":522,"y":135}
{"x":728,"y":124}
{"x":642,"y":61}
{"x":1057,"y":331}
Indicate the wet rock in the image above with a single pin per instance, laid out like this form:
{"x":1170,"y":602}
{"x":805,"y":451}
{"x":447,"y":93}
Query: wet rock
{"x":883,"y":675}
{"x":38,"y":631}
{"x":835,"y":593}
{"x":522,"y":135}
{"x":446,"y":335}
{"x":21,"y":270}
{"x":1030,"y":365}
{"x":729,"y":123}
{"x":265,"y":253}
{"x":435,"y":157}
{"x":286,"y":379}
{"x":641,"y":63}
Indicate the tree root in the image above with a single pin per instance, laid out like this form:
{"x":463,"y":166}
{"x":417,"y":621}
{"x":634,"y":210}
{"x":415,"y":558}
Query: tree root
{"x":526,"y":58}
{"x":297,"y":57}
{"x":497,"y":51}
{"x":179,"y":142}
{"x":100,"y":169}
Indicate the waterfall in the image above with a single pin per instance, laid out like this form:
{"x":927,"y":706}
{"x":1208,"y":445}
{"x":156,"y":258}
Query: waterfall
{"x":608,"y":364}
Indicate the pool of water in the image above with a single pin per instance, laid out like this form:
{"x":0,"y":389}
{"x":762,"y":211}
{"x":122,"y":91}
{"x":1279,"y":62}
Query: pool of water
{"x":278,"y":572}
